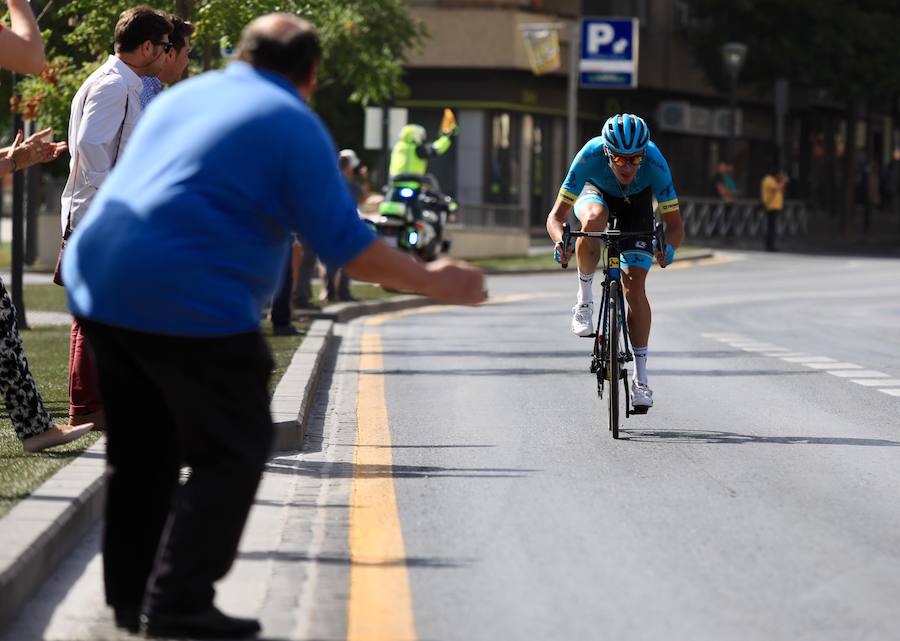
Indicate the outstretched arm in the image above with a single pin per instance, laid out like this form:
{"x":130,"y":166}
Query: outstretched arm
{"x":445,"y":280}
{"x":437,"y":148}
{"x":21,"y":47}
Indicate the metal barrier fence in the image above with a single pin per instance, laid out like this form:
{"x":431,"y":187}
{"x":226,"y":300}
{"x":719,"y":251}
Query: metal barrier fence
{"x":491,"y":215}
{"x":713,"y":218}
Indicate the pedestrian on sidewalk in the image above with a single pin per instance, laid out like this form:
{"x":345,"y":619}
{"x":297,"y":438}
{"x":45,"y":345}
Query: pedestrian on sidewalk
{"x":282,"y":312}
{"x":771,"y":191}
{"x":723,"y":182}
{"x":175,"y":62}
{"x":220,"y":173}
{"x":336,"y":282}
{"x":303,"y":292}
{"x":22,"y":51}
{"x":104,"y":113}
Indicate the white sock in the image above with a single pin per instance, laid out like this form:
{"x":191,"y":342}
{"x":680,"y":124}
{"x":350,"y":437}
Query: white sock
{"x":585,"y":288}
{"x":640,"y":364}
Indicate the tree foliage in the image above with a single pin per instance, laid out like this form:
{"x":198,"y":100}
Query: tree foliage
{"x":845,"y":47}
{"x":365,"y":43}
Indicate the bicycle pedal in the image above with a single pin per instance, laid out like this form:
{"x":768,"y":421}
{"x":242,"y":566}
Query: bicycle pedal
{"x":640,"y":409}
{"x":594,"y":335}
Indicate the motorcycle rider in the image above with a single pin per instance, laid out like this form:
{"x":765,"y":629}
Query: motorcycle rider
{"x":409,"y":161}
{"x":410,"y":152}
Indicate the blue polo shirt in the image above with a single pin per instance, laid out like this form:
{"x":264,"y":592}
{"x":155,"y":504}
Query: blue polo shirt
{"x":190,"y":232}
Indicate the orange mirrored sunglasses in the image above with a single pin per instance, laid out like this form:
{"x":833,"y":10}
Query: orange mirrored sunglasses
{"x":622,"y":161}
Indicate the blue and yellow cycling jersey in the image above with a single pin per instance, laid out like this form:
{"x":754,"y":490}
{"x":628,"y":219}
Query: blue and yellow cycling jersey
{"x":591,"y":165}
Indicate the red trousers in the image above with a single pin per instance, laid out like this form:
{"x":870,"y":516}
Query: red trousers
{"x":84,"y":391}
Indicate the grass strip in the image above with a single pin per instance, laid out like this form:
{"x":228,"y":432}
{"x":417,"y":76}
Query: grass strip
{"x":47,"y":349}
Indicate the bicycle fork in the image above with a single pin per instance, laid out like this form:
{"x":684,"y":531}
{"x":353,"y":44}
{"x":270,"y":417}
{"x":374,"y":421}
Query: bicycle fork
{"x":603,"y":351}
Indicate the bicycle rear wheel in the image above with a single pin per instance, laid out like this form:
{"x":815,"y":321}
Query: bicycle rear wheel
{"x":614,"y":366}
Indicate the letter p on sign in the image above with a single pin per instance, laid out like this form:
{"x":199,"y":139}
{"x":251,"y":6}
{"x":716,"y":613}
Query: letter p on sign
{"x":599,"y":35}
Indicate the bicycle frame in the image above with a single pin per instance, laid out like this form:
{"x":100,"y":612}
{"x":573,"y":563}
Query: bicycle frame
{"x":606,"y":365}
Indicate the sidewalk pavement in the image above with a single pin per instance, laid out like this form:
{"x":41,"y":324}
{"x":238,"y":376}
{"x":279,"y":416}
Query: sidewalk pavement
{"x":28,"y":278}
{"x":42,"y":530}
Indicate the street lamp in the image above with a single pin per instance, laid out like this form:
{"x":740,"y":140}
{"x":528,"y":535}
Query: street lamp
{"x":733,"y":56}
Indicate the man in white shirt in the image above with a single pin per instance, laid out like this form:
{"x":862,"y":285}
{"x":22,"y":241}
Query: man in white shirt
{"x":104,"y":113}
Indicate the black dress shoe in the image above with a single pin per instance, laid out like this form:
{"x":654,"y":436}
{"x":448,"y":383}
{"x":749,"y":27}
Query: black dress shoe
{"x":284,"y":330}
{"x":206,"y":624}
{"x":128,"y":618}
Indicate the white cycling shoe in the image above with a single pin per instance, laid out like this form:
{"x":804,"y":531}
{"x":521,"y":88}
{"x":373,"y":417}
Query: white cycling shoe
{"x":641,"y":397}
{"x":583,"y":319}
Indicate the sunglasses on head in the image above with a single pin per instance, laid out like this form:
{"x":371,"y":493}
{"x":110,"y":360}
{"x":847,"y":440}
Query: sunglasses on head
{"x":622,"y":161}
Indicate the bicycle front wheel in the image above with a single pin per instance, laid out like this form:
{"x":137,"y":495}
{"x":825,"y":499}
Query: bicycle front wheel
{"x":614,"y":366}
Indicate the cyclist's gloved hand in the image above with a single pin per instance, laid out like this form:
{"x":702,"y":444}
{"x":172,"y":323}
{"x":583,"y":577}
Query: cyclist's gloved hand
{"x":557,"y":254}
{"x":666,"y":259}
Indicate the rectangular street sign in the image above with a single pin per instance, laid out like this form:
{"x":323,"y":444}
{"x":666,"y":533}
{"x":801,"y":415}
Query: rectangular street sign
{"x":609,"y":53}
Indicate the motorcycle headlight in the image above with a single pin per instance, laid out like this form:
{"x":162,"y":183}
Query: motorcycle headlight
{"x":412,"y":238}
{"x":407,"y":192}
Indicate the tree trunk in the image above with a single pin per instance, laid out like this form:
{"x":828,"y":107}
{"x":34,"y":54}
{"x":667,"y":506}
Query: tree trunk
{"x":828,"y":193}
{"x":870,"y":167}
{"x":183,"y":9}
{"x":849,"y":208}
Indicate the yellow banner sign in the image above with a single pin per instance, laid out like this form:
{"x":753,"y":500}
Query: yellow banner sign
{"x":542,"y":45}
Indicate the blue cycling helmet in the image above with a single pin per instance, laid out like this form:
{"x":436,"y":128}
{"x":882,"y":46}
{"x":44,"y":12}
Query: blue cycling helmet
{"x":626,"y":134}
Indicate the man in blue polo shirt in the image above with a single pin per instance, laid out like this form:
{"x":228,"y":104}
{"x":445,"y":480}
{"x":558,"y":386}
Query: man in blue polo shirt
{"x":168,"y":272}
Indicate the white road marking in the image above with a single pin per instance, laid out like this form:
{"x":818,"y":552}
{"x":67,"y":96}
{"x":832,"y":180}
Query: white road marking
{"x":851,"y":373}
{"x":877,"y":382}
{"x":855,"y":373}
{"x":833,"y":365}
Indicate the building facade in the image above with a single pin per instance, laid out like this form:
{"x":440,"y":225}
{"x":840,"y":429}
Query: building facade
{"x":510,"y":158}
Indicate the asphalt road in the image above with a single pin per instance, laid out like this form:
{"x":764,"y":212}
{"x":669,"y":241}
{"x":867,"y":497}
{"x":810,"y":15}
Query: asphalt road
{"x":758,"y":500}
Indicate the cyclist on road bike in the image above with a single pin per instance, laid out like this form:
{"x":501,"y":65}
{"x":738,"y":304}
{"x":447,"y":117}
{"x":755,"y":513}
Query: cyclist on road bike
{"x":612,"y":180}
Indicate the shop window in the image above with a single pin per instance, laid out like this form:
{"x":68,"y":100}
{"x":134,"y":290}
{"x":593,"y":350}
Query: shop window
{"x":502,"y":185}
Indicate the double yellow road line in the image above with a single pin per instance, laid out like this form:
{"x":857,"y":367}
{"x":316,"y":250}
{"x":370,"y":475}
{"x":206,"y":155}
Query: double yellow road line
{"x":380,"y":606}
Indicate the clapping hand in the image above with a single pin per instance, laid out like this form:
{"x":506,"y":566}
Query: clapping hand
{"x":37,"y":148}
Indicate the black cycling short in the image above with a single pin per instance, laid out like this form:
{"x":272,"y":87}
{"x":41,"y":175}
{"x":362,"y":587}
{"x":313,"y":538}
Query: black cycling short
{"x":626,"y":213}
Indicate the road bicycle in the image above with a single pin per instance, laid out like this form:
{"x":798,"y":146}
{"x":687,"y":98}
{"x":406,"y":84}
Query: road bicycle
{"x":612,"y":348}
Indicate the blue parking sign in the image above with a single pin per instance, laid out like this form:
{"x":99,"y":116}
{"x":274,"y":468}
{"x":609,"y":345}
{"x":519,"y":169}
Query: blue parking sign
{"x":609,"y":53}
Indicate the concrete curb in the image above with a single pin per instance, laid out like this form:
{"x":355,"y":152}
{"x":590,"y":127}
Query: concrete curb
{"x":698,"y":255}
{"x":40,"y":531}
{"x":43,"y":529}
{"x":294,"y":393}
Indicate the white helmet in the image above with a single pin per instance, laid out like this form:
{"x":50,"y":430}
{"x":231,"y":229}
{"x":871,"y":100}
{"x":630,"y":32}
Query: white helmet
{"x":351,"y":157}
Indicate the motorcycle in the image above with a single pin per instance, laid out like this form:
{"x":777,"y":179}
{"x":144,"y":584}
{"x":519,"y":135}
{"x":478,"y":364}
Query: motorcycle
{"x":413,"y":216}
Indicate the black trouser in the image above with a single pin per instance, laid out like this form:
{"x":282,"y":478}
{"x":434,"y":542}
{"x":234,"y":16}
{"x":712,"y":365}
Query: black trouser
{"x":281,"y":304}
{"x":337,"y":284}
{"x":173,"y":401}
{"x":303,"y":293}
{"x":771,"y":222}
{"x":23,"y":401}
